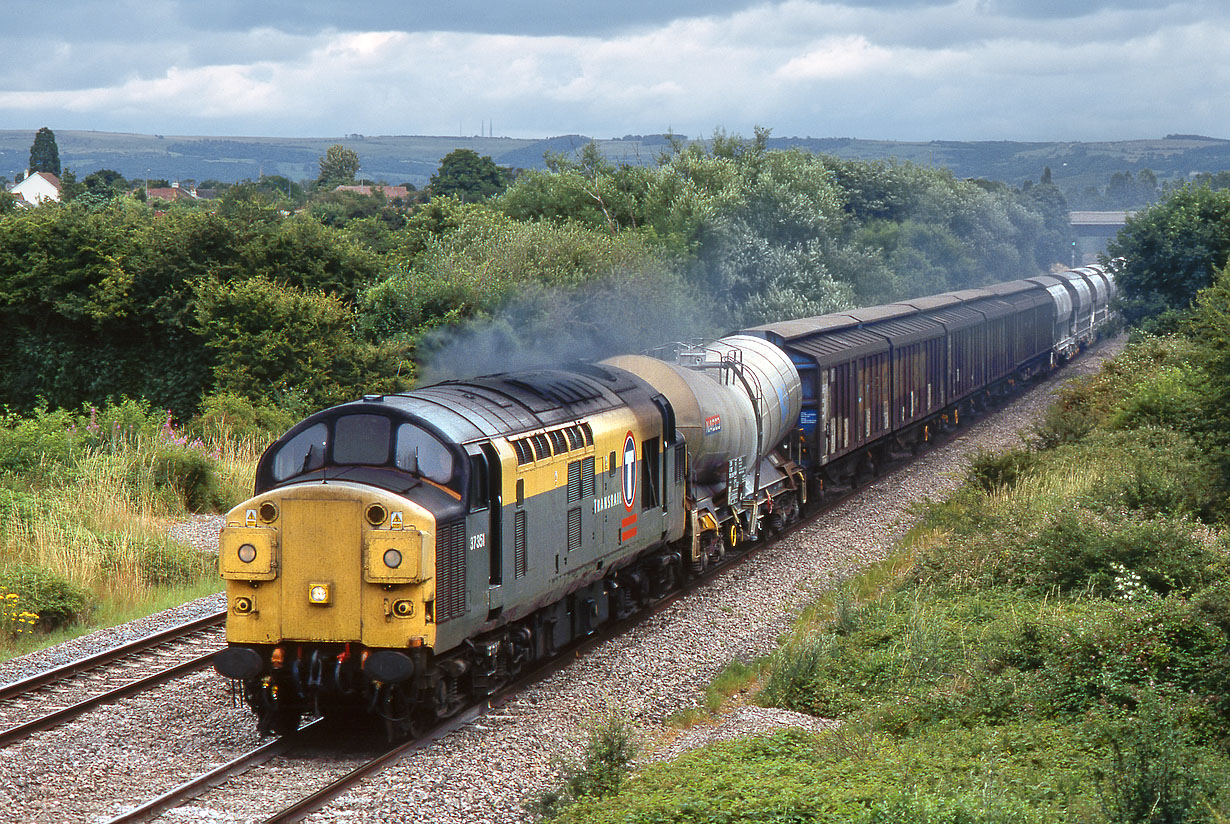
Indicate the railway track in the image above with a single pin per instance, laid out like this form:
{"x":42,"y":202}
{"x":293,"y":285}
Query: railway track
{"x":318,"y":733}
{"x":58,"y":695}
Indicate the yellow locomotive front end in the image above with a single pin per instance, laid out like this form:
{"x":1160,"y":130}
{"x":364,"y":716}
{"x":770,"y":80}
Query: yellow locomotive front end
{"x":330,"y":563}
{"x":330,"y":579}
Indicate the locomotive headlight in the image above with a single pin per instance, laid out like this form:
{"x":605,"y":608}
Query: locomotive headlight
{"x":318,"y":593}
{"x":392,"y":558}
{"x":247,"y":553}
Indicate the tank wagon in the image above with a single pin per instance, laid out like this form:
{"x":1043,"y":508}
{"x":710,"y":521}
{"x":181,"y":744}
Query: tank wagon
{"x":403,"y":554}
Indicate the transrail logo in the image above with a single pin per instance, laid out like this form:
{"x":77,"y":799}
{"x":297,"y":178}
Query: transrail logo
{"x":606,"y":502}
{"x":713,"y":424}
{"x":629,"y":471}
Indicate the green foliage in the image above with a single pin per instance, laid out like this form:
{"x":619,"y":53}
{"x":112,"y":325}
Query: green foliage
{"x":286,"y":347}
{"x":33,"y":446}
{"x":1210,"y":331}
{"x":1125,"y":393}
{"x":1170,"y":251}
{"x":467,"y":176}
{"x":525,"y":290}
{"x":960,"y":810}
{"x":338,"y":167}
{"x":103,"y":302}
{"x":149,"y":561}
{"x":190,"y":474}
{"x":372,"y":217}
{"x":994,"y":471}
{"x":44,"y":153}
{"x":1154,"y":774}
{"x":1008,"y":775}
{"x":610,"y":749}
{"x":40,"y":591}
{"x":227,"y":416}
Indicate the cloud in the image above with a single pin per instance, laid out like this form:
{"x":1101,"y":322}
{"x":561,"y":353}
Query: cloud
{"x":972,"y":69}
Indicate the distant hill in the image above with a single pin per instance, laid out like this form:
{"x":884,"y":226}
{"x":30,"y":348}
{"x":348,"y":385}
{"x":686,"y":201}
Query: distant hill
{"x":396,"y":159}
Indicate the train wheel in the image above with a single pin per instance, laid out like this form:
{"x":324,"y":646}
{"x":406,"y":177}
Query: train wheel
{"x":732,"y":536}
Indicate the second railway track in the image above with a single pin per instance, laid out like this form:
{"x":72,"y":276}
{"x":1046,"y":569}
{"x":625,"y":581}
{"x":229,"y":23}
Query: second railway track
{"x":60,"y":694}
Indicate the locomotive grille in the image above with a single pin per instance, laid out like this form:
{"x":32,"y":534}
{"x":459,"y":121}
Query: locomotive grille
{"x":451,"y":571}
{"x":574,"y":529}
{"x":587,"y":477}
{"x":574,"y":482}
{"x":519,"y":562}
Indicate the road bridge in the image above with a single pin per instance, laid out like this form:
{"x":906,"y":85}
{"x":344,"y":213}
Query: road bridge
{"x":1091,"y":231}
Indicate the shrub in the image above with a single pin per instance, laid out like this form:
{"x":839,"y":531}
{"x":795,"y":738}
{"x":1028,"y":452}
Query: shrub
{"x":227,"y":416}
{"x":609,"y":751}
{"x":917,"y":809}
{"x":795,"y":673}
{"x":191,"y":474}
{"x":148,"y":562}
{"x":1075,"y":553}
{"x":1101,"y":654}
{"x":1153,"y":774}
{"x":32,"y":445}
{"x":993,"y":471}
{"x":56,"y":601}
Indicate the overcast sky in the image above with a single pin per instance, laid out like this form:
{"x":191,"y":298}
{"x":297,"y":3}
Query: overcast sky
{"x":895,"y":69}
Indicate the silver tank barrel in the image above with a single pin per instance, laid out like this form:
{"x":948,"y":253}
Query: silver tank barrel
{"x":718,"y":392}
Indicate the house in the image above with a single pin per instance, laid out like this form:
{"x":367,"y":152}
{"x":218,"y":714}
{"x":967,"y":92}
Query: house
{"x":171,"y":193}
{"x":390,"y":192}
{"x":36,"y":188}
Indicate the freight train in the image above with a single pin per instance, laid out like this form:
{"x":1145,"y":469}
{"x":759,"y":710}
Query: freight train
{"x":404,"y":554}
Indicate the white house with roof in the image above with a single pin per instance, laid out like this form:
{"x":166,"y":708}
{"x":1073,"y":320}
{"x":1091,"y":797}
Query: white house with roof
{"x":36,"y":188}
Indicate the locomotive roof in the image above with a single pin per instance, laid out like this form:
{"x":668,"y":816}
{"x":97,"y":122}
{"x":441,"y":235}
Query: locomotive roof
{"x":505,"y":404}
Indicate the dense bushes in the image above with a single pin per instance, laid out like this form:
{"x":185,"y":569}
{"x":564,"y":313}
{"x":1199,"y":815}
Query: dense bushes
{"x":84,"y":499}
{"x":1171,"y":251}
{"x":300,"y":310}
{"x":54,"y":601}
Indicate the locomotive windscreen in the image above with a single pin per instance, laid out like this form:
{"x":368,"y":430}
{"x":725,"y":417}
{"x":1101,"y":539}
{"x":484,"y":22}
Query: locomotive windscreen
{"x":421,"y":453}
{"x":366,"y":439}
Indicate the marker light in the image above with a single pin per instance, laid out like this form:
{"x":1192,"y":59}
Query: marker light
{"x":392,"y":558}
{"x":247,"y":553}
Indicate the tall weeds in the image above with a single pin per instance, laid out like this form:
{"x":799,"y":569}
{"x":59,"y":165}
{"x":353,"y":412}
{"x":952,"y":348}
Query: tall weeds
{"x":86,"y":498}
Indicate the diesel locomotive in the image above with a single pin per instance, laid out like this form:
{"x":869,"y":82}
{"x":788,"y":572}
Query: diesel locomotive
{"x":403,"y":554}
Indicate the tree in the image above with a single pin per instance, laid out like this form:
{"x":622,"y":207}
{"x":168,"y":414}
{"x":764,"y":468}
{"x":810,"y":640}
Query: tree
{"x":1170,"y":251}
{"x":464,"y":174}
{"x":338,"y":167}
{"x":44,"y":154}
{"x":1046,"y":175}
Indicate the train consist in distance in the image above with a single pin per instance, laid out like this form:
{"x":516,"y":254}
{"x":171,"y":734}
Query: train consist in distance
{"x":403,"y":554}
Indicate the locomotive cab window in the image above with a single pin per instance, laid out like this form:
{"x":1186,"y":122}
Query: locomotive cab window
{"x":361,"y":439}
{"x":478,"y":483}
{"x":302,"y":453}
{"x":421,"y":453}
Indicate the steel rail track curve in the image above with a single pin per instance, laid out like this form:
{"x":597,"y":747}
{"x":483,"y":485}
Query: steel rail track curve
{"x":59,"y":675}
